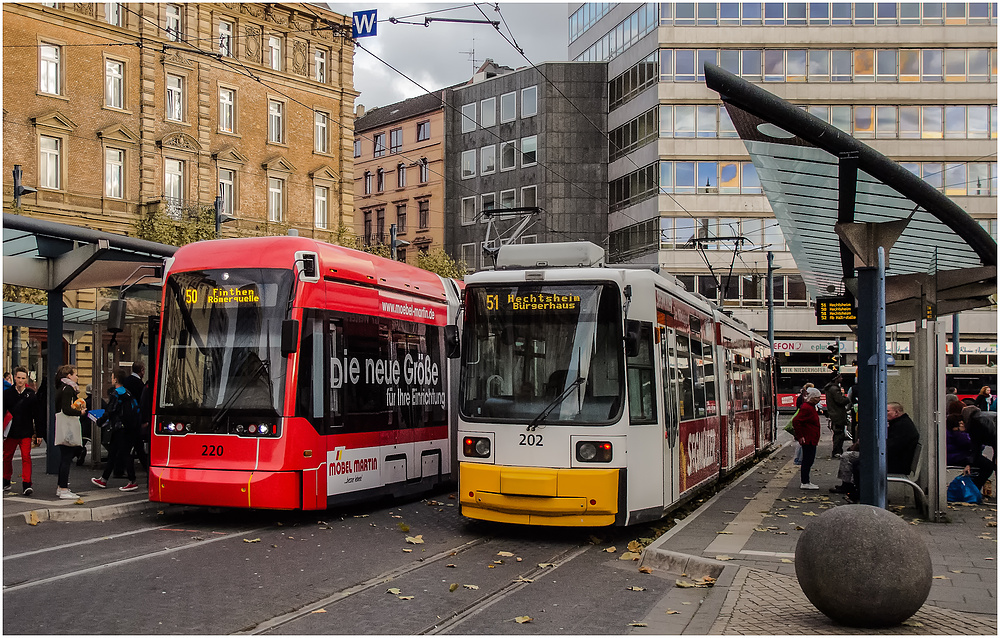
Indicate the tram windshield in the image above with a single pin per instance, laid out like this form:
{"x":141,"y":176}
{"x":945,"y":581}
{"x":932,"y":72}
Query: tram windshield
{"x":221,"y":348}
{"x":542,"y":354}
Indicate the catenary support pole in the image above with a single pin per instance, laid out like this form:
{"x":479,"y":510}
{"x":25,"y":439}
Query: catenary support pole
{"x":871,"y":381}
{"x":53,"y":360}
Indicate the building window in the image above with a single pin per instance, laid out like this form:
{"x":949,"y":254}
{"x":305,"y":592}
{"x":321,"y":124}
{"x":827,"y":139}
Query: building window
{"x":175,"y":98}
{"x":321,"y":198}
{"x":368,"y":183}
{"x":508,"y":107}
{"x":424,"y":210}
{"x":423,"y":131}
{"x":529,"y":150}
{"x":320,"y":132}
{"x":113,"y":13}
{"x":173,"y":26}
{"x":226,"y":38}
{"x":227,"y":190}
{"x":173,"y":186}
{"x":507,"y":156}
{"x":227,"y":110}
{"x":380,"y":226}
{"x":357,"y":148}
{"x":50,"y":70}
{"x":379,"y":144}
{"x":401,"y":175}
{"x":529,"y":101}
{"x":469,"y":117}
{"x":468,"y":164}
{"x":469,"y":256}
{"x":275,"y":122}
{"x":425,"y":171}
{"x":319,"y":65}
{"x":488,"y":159}
{"x":380,"y":180}
{"x":489,"y":201}
{"x":508,"y":198}
{"x":275,"y":199}
{"x":368,"y":228}
{"x":488,"y":112}
{"x":395,"y":140}
{"x":114,"y":173}
{"x":529,"y":196}
{"x":400,"y":218}
{"x":274,"y":52}
{"x":468,"y":210}
{"x":114,"y":84}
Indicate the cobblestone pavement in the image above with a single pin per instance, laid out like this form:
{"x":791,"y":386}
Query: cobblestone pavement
{"x":764,"y":602}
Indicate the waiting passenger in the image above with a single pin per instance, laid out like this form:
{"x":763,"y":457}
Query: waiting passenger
{"x":959,"y":444}
{"x":806,"y":425}
{"x":900,"y":440}
{"x":982,"y":430}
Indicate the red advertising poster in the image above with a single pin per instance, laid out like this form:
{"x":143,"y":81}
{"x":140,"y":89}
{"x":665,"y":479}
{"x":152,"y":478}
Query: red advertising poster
{"x":699,"y":452}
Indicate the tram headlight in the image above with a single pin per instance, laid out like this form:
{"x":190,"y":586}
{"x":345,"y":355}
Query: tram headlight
{"x":594,"y":451}
{"x":476,"y":447}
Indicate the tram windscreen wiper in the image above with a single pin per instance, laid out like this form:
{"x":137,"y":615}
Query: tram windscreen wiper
{"x":264,"y":366}
{"x":555,"y":402}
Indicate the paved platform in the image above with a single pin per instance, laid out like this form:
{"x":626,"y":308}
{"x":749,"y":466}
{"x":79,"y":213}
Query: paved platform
{"x":745,"y":537}
{"x":94,"y":504}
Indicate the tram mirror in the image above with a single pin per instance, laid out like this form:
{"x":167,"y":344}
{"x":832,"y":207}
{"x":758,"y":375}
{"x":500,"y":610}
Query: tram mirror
{"x":116,"y":316}
{"x":289,"y":336}
{"x":452,"y":345}
{"x":631,"y":338}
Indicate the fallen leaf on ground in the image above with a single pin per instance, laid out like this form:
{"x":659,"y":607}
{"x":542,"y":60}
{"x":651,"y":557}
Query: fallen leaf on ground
{"x":611,"y":550}
{"x":723,"y":557}
{"x":595,"y":540}
{"x":506,"y":554}
{"x":491,"y":567}
{"x":396,"y":516}
{"x":912,"y":623}
{"x":782,"y":533}
{"x":33,"y":518}
{"x":809,"y":513}
{"x":685,"y":603}
{"x":760,"y":529}
{"x":78,"y":501}
{"x":453,"y":587}
{"x":635,"y":588}
{"x":956,"y":571}
{"x":403,"y":527}
{"x":544,"y":565}
{"x":799,"y":527}
{"x":630,"y":556}
{"x":471,"y":586}
{"x":360,"y":516}
{"x":787,"y":560}
{"x":637,"y":624}
{"x":498,"y":562}
{"x":519,"y":559}
{"x":251,"y":540}
{"x":522,"y":579}
{"x":991,"y":524}
{"x":405,"y":597}
{"x":634,"y":546}
{"x":723,"y":532}
{"x":645,"y":570}
{"x":785,"y":515}
{"x":452,"y":565}
{"x":408,"y":551}
{"x":523,"y":619}
{"x":393,"y":590}
{"x":318,"y":611}
{"x":415,"y":540}
{"x":729,"y":512}
{"x":671,"y":611}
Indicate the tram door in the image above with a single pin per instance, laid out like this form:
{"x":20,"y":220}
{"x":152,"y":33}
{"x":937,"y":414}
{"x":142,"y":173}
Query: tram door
{"x":670,"y":420}
{"x":729,"y":454}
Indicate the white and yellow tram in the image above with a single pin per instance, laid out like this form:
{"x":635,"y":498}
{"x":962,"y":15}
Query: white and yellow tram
{"x":594,"y":396}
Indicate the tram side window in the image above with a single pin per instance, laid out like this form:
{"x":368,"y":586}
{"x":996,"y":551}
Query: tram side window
{"x":309,"y":402}
{"x":708,"y":363}
{"x":685,"y":380}
{"x":642,"y":379}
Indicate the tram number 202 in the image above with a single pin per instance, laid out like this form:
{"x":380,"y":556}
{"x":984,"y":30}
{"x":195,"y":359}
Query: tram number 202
{"x":531,"y":439}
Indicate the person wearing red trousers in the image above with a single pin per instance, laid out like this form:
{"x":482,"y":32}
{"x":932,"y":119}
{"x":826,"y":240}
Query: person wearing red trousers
{"x":806,"y":425}
{"x":19,"y":401}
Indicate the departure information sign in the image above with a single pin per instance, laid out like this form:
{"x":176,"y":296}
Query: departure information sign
{"x":832,"y":311}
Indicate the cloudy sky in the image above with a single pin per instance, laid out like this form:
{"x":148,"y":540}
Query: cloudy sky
{"x":439,"y":55}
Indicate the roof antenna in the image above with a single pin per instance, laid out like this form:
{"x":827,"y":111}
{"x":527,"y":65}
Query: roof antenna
{"x":472,"y":55}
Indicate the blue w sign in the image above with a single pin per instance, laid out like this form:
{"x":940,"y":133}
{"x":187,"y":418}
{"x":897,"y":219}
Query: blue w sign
{"x":365,"y":23}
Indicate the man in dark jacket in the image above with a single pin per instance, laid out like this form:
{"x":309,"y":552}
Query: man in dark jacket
{"x":19,"y":400}
{"x":900,"y":440}
{"x":836,"y":409}
{"x":135,"y":386}
{"x":983,"y":431}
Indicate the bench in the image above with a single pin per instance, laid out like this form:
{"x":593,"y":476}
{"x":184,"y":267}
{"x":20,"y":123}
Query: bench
{"x":911,"y":480}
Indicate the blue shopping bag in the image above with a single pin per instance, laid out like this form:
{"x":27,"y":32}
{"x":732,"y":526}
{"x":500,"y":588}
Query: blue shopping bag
{"x":963,"y":490}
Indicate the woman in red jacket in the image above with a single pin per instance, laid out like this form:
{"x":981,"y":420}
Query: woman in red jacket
{"x":806,"y":425}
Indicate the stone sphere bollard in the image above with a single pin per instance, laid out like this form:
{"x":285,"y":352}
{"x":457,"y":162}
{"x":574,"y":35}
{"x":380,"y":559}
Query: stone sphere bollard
{"x":863,"y":566}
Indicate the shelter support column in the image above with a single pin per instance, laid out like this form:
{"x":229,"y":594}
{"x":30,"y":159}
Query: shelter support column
{"x":928,"y":391}
{"x":871,"y":381}
{"x":53,"y":360}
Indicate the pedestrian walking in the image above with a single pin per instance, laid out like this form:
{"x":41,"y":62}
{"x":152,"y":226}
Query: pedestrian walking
{"x":985,"y":400}
{"x":837,"y":405}
{"x":798,"y":403}
{"x":806,"y":425}
{"x":68,"y":437}
{"x":122,"y":418}
{"x":19,"y":403}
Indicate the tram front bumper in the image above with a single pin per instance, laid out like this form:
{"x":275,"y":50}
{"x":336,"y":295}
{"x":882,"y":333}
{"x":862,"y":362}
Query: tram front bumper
{"x":539,"y":496}
{"x":225,"y":488}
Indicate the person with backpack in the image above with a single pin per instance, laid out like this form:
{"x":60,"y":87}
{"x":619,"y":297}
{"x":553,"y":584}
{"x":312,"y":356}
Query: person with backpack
{"x":122,"y":418}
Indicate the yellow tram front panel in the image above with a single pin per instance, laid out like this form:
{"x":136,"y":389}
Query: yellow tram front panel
{"x":539,"y":496}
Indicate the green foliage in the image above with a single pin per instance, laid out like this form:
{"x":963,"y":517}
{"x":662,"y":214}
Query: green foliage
{"x":194,"y":225}
{"x":438,"y":261}
{"x":25,"y":295}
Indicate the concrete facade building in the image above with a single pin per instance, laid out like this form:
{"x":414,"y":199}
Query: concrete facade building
{"x":399,"y":164}
{"x":527,"y":137}
{"x":915,"y":81}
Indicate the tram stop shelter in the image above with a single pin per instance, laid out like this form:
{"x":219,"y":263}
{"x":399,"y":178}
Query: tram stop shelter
{"x":862,"y":227}
{"x":57,"y":257}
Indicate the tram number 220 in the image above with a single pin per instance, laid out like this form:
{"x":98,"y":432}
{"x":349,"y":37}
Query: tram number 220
{"x":531,"y":439}
{"x":211,"y":450}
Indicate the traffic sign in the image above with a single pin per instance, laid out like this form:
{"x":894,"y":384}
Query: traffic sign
{"x":365,"y":23}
